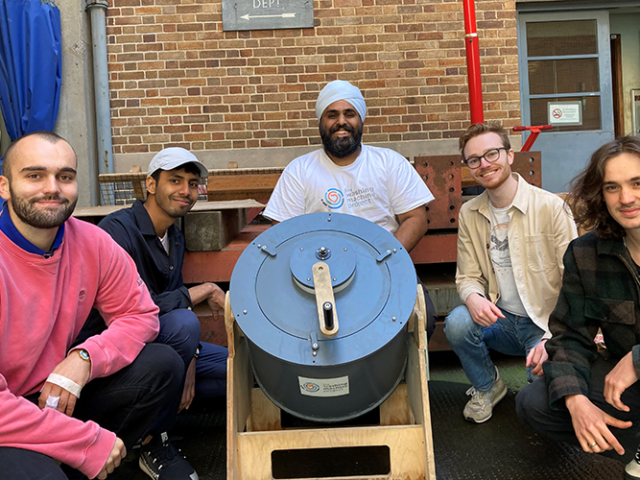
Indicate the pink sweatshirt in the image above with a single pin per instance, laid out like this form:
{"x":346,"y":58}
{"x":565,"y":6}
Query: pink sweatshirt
{"x":43,"y":305}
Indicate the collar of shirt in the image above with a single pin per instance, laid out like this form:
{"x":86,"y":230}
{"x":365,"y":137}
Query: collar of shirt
{"x":611,"y":246}
{"x":143,"y":219}
{"x":9,"y":229}
{"x":520,"y":201}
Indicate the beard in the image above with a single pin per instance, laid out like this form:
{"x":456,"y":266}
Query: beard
{"x":505,"y":173}
{"x":174,"y":211}
{"x":342,"y":146}
{"x":27,"y":213}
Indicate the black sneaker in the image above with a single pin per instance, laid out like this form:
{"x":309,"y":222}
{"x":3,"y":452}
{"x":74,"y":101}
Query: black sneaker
{"x":162,"y":461}
{"x":632,"y":470}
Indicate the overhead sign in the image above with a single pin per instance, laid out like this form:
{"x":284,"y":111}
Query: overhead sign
{"x":266,"y":14}
{"x":565,"y":113}
{"x":635,"y":111}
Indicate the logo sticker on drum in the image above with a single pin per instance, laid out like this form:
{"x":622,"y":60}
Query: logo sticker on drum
{"x":324,"y":387}
{"x":334,"y":198}
{"x":310,"y":387}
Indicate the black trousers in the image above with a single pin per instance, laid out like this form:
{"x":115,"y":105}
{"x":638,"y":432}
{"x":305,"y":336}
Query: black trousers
{"x":126,"y":403}
{"x":532,"y":406}
{"x":431,"y":311}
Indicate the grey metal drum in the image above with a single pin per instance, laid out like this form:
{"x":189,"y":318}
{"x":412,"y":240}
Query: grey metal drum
{"x":324,"y":301}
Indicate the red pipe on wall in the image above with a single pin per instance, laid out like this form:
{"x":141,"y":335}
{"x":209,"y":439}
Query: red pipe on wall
{"x":473,"y":62}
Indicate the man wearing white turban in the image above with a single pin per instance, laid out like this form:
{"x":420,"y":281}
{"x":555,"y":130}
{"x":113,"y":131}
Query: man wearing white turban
{"x":346,"y":176}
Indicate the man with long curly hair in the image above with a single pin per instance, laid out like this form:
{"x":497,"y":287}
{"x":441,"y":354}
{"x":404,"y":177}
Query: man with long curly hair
{"x":585,"y":398}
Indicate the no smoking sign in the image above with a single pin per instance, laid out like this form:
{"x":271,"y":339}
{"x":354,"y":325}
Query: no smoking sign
{"x":565,"y":113}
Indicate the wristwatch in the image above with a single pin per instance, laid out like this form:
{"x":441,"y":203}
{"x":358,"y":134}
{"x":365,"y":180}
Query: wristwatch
{"x":84,"y":354}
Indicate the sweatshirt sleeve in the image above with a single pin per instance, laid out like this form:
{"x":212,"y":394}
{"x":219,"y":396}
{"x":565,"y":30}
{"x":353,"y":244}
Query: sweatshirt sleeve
{"x":127,"y":309}
{"x":82,"y":445}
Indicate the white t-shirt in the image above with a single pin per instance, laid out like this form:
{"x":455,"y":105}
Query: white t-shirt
{"x":165,"y":241}
{"x":501,"y":258}
{"x":379,"y":185}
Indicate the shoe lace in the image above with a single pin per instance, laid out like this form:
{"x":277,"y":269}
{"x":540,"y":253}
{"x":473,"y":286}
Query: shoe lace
{"x":164,"y":455}
{"x":474,"y":393}
{"x":637,"y":455}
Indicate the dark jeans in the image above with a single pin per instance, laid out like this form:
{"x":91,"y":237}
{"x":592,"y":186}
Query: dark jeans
{"x":180,"y":329}
{"x":126,"y":403}
{"x":532,"y":406}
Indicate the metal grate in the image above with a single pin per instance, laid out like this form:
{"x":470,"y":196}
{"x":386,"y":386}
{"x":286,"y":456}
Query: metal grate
{"x":126,"y":188}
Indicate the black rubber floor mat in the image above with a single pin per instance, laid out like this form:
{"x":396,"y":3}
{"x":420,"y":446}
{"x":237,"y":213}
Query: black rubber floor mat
{"x":500,"y":449}
{"x":200,"y":433}
{"x":503,"y":448}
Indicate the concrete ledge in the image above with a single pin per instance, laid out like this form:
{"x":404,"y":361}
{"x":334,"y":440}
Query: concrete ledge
{"x":212,"y":231}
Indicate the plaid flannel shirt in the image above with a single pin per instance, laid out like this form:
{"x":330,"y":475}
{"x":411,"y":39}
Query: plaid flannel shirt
{"x":600,"y":289}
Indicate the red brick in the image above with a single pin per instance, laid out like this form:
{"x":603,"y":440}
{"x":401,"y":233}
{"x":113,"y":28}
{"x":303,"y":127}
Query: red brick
{"x":408,"y":58}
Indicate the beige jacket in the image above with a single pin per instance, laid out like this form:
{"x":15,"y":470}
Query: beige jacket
{"x":540,"y":228}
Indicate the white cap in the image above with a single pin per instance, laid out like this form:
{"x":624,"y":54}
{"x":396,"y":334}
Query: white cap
{"x":174,"y":157}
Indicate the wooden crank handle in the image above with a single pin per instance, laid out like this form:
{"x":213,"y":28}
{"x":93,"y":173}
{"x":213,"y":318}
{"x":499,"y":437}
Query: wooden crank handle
{"x":325,"y":301}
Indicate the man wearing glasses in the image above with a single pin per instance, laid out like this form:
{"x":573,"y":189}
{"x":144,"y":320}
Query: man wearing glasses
{"x":511,"y":240}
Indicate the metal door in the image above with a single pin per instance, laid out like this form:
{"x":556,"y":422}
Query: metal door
{"x":565,"y":80}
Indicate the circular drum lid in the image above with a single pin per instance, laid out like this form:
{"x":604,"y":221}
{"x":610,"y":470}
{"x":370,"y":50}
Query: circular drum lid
{"x":333,"y":250}
{"x":272,"y":288}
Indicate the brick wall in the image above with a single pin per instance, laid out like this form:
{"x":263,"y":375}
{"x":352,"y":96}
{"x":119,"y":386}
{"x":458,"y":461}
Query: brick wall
{"x":177,"y":79}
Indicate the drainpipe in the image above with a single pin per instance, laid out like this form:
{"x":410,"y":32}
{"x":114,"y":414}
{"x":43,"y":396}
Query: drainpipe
{"x":97,"y":10}
{"x":473,"y":62}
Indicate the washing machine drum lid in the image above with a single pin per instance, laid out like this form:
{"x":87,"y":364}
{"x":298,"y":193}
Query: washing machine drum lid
{"x":273,"y":287}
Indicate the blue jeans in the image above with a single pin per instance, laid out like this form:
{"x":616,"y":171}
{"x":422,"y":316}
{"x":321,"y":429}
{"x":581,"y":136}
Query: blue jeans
{"x":512,"y":335}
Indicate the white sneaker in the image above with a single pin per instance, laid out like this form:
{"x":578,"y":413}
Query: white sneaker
{"x":480,"y":408}
{"x":632,"y":470}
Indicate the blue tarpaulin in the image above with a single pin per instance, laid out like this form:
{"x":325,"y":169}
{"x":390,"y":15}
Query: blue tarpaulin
{"x":30,"y":65}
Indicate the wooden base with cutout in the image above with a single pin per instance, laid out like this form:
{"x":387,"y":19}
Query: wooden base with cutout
{"x":254,"y":431}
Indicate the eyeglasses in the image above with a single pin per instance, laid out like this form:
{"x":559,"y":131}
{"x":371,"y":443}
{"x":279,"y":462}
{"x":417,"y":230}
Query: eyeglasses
{"x":490,"y":156}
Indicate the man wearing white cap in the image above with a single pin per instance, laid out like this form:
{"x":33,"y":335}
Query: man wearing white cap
{"x":346,"y":176}
{"x":148,"y":233}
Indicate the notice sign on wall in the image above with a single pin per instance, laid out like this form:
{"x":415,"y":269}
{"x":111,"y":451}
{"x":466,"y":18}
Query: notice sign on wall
{"x":266,"y":14}
{"x":635,"y":111}
{"x":565,"y":113}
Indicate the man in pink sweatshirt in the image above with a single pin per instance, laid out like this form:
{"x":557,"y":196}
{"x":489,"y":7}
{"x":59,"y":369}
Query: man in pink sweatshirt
{"x":82,"y":406}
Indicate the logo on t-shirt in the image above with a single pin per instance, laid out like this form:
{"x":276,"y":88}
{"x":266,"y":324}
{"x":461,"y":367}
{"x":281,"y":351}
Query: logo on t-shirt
{"x":500,"y":246}
{"x":333,"y":198}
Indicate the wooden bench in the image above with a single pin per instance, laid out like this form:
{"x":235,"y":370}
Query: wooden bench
{"x":239,"y":184}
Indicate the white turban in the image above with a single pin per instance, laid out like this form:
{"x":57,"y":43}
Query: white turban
{"x":340,"y":90}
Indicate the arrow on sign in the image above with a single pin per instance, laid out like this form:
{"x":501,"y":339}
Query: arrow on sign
{"x":283,"y":15}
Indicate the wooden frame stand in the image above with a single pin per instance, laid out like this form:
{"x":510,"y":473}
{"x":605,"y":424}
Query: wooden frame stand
{"x":254,"y":430}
